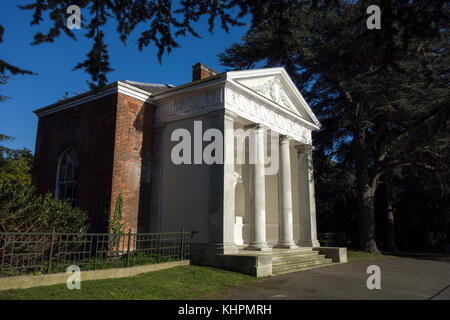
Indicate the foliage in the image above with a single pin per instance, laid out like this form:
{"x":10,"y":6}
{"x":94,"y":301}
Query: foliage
{"x":17,"y":166}
{"x":422,"y":205}
{"x":4,"y":151}
{"x":335,"y":191}
{"x":164,"y":23}
{"x":7,"y":67}
{"x":117,"y":227}
{"x":22,"y":210}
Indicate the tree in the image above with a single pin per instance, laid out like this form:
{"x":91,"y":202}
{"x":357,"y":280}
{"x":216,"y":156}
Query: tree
{"x":335,"y":192}
{"x":390,"y":225}
{"x":17,"y":166}
{"x":380,"y":94}
{"x":4,"y":150}
{"x":165,"y":22}
{"x":7,"y":67}
{"x":421,"y":202}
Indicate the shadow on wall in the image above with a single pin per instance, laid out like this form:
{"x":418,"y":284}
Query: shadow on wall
{"x":144,"y":124}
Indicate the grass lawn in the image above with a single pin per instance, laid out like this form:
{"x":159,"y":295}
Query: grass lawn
{"x":190,"y":282}
{"x":355,"y":256}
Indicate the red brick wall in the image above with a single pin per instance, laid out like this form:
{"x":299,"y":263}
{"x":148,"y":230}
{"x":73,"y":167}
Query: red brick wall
{"x":90,"y":129}
{"x":113,"y":139}
{"x":200,"y":71}
{"x":132,"y":156}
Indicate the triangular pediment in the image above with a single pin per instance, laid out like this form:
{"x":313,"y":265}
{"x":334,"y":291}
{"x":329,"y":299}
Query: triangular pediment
{"x":275,"y":85}
{"x":273,"y":89}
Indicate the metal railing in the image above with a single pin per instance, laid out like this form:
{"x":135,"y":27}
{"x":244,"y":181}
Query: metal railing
{"x":39,"y":253}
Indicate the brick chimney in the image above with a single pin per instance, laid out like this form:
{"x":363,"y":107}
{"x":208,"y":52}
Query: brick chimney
{"x":200,"y":71}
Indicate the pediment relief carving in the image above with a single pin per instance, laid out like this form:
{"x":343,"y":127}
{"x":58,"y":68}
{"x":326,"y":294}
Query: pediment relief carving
{"x":273,"y":90}
{"x":248,"y":108}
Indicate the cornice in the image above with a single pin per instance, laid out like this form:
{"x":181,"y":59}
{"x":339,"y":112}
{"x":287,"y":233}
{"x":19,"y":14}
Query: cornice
{"x":116,"y":87}
{"x":239,"y":88}
{"x":253,"y":109}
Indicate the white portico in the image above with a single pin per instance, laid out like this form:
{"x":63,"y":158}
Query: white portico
{"x":267,"y":100}
{"x":264,"y":205}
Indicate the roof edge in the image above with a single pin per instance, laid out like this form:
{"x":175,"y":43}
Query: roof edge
{"x":91,"y":95}
{"x":276,"y":71}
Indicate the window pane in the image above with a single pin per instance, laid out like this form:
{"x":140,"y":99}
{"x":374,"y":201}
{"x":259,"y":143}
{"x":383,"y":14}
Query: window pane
{"x":66,"y":183}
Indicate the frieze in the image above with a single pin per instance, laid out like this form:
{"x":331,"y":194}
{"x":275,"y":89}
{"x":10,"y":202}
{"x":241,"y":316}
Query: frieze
{"x":177,"y":107}
{"x":253,"y":111}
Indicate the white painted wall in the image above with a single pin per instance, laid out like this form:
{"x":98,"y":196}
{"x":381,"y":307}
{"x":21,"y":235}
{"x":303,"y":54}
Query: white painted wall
{"x":185,"y":198}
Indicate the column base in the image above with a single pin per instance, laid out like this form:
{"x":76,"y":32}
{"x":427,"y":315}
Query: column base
{"x":309,"y":243}
{"x":286,"y":245}
{"x":258,"y":247}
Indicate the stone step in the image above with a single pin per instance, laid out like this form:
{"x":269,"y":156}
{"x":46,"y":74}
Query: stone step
{"x":299,"y":260}
{"x":290,"y":251}
{"x":307,"y":267}
{"x":295,"y":256}
{"x":278,"y":251}
{"x":300,"y":265}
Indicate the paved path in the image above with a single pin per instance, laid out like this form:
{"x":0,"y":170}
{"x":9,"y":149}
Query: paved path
{"x":401,"y":278}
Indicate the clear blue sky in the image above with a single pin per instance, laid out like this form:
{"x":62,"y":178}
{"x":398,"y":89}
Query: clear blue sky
{"x":54,"y":61}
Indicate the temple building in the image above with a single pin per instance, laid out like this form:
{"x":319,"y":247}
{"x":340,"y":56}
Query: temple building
{"x":253,"y":212}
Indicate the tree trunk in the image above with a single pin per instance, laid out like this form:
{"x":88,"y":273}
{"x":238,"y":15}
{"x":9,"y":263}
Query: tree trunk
{"x":390,"y":214}
{"x":365,"y":193}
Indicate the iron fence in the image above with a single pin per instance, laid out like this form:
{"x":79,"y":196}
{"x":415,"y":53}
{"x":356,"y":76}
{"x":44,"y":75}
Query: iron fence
{"x":39,"y":253}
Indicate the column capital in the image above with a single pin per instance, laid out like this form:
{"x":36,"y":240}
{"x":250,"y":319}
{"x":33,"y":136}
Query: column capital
{"x":230,"y":115}
{"x":256,"y":127}
{"x":284,"y":139}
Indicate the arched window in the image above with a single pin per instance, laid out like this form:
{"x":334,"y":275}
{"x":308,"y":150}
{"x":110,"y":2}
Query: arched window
{"x":66,"y":176}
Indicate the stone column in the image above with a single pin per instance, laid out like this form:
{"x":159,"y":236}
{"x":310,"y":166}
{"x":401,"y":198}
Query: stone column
{"x":258,"y":214}
{"x":222,"y":183}
{"x":285,"y":225}
{"x":307,"y":201}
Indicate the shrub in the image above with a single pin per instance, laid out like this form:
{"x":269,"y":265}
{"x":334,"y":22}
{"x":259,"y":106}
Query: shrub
{"x":22,"y":210}
{"x":117,"y":227}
